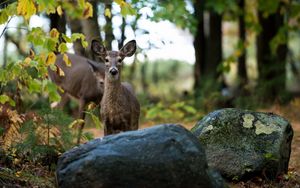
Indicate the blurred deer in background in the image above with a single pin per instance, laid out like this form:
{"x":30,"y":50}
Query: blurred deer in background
{"x":120,"y":109}
{"x":83,"y":80}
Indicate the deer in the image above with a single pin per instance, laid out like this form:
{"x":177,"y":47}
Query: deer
{"x":83,"y":80}
{"x":120,"y":109}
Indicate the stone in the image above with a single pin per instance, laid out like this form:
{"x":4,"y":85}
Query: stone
{"x":241,"y":144}
{"x":160,"y":156}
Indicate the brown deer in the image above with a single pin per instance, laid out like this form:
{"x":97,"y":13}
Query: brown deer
{"x":83,"y":80}
{"x":120,"y":109}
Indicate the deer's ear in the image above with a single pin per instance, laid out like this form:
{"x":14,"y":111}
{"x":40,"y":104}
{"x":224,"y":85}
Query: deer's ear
{"x":129,"y":48}
{"x":98,"y":48}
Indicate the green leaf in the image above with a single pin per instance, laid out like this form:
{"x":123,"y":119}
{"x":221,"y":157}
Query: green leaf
{"x":87,"y":136}
{"x":36,"y":36}
{"x":190,"y":109}
{"x":95,"y":119}
{"x":3,"y":16}
{"x":126,"y":9}
{"x":51,"y":88}
{"x":5,"y":98}
{"x":50,"y":44}
{"x":62,"y":48}
{"x":34,"y":85}
{"x":268,"y":6}
{"x":66,"y":38}
{"x":76,"y":36}
{"x":47,"y":5}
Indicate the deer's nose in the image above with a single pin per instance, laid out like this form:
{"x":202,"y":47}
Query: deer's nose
{"x":113,"y":71}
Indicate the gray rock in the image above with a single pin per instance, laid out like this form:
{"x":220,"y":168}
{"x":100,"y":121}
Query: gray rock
{"x":160,"y":156}
{"x":242,"y":144}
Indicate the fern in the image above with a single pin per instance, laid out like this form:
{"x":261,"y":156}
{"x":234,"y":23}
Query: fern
{"x":46,"y":136}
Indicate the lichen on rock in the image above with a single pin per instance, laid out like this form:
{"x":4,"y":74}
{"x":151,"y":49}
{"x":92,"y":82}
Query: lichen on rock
{"x":209,"y":128}
{"x":265,"y":129}
{"x":248,"y":120}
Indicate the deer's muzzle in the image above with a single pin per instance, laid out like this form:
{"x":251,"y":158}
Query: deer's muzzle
{"x":113,"y":71}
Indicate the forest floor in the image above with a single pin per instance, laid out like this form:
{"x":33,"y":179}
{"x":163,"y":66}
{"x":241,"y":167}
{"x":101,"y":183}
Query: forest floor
{"x":40,"y":176}
{"x":291,"y":112}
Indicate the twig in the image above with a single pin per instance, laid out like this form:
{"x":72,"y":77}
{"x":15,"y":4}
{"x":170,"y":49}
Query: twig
{"x":24,"y":28}
{"x":5,"y":26}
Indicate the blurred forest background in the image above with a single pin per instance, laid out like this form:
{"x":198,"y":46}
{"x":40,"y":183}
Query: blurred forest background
{"x":239,"y":53}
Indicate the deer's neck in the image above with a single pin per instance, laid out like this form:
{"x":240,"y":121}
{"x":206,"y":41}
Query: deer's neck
{"x":112,"y":89}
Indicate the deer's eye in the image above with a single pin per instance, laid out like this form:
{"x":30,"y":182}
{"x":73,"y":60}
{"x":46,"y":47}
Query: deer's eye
{"x":119,"y":60}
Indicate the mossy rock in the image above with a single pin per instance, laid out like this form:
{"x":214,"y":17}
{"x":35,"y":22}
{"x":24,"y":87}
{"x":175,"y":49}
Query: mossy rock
{"x":161,"y":156}
{"x":241,"y":144}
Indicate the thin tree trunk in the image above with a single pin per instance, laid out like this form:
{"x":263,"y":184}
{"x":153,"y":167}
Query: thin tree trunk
{"x":144,"y":77}
{"x":242,"y":69}
{"x":199,"y":44}
{"x":155,"y":73}
{"x":109,"y":37}
{"x":121,"y":41}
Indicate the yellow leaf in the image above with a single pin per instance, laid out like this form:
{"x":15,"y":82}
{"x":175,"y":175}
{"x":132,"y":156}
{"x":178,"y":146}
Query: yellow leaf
{"x":27,"y":61}
{"x":107,"y":12}
{"x":19,"y":172}
{"x":26,"y":8}
{"x":60,"y":89}
{"x":51,"y":59}
{"x":76,"y":123}
{"x":119,"y":2}
{"x":88,"y":10}
{"x":54,"y":33}
{"x":91,"y":106}
{"x":81,"y":3}
{"x":60,"y":71}
{"x":67,"y":60}
{"x":59,"y":10}
{"x":31,"y":53}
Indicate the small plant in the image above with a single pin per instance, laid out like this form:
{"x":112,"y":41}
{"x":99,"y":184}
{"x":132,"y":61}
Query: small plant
{"x":45,"y":136}
{"x":178,"y":111}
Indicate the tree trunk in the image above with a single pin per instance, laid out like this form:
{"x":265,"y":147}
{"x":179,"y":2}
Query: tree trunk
{"x":271,"y":66}
{"x":91,"y":30}
{"x":122,"y":39}
{"x":199,"y":44}
{"x":58,"y":22}
{"x":144,"y":82}
{"x":214,"y":46}
{"x":109,"y":36}
{"x":242,"y":69}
